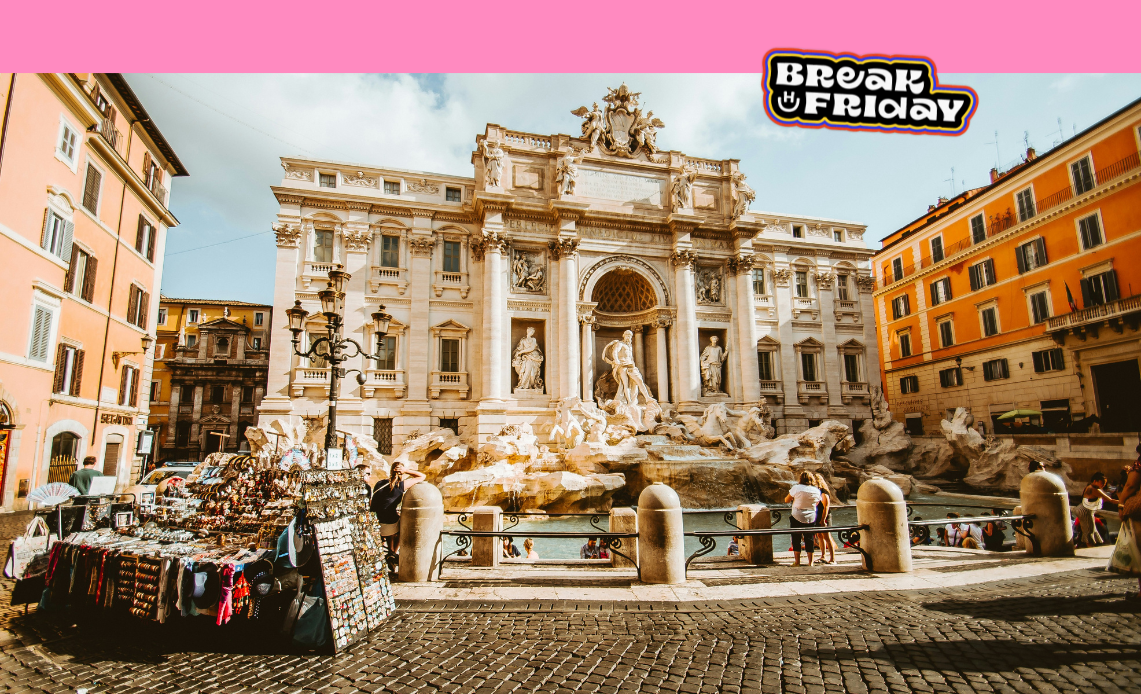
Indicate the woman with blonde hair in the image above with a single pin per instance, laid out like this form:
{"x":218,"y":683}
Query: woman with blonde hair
{"x":529,"y":549}
{"x":823,"y":513}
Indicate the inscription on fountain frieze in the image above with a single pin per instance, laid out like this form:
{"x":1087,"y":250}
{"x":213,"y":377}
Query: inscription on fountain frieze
{"x":607,"y":185}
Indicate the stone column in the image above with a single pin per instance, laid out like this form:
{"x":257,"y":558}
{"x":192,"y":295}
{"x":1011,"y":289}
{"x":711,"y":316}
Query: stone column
{"x":881,"y":507}
{"x":759,"y":548}
{"x":833,"y":361}
{"x":587,"y":358}
{"x":746,"y":320}
{"x":235,"y":412}
{"x":497,"y":334}
{"x":485,"y":550}
{"x":639,"y":348}
{"x":565,"y":250}
{"x":355,"y":239}
{"x":1043,"y":495}
{"x":624,"y":520}
{"x":172,"y":413}
{"x":661,"y":540}
{"x":421,"y":521}
{"x":789,"y":366}
{"x":688,"y":387}
{"x":419,"y":291}
{"x":663,"y":362}
{"x":197,"y":415}
{"x":286,"y":271}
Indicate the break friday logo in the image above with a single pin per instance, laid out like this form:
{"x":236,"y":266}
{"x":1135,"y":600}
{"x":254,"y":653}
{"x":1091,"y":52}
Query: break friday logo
{"x":892,"y":94}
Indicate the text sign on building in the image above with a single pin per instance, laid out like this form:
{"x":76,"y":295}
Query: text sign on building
{"x":122,"y":419}
{"x":893,"y":94}
{"x":607,"y":185}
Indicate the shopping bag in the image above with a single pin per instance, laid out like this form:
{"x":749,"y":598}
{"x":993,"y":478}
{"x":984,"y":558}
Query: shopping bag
{"x":27,"y":548}
{"x":1126,"y":557}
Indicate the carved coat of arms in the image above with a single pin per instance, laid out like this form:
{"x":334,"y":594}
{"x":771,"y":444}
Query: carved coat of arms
{"x":622,"y":129}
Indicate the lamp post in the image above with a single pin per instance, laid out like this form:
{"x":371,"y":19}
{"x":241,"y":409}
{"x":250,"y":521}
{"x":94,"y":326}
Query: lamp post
{"x":336,"y":348}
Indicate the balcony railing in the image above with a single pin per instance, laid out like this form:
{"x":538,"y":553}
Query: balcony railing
{"x":384,"y":379}
{"x":157,"y":188}
{"x":109,"y":133}
{"x":811,"y":389}
{"x":392,"y":276}
{"x":1094,"y":314}
{"x":448,"y":380}
{"x":309,"y":377}
{"x":451,"y":280}
{"x":771,"y":386}
{"x":853,"y":389}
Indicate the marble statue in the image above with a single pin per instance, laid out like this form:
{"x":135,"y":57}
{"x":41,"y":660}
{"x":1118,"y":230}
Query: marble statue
{"x":683,"y":188}
{"x":593,"y":125}
{"x":492,"y":163}
{"x":527,"y":274}
{"x":645,"y":130}
{"x":743,"y":193}
{"x":567,"y":172}
{"x":632,"y":393}
{"x":709,"y":287}
{"x":527,"y":361}
{"x":712,"y":357}
{"x":712,"y":428}
{"x":753,"y":425}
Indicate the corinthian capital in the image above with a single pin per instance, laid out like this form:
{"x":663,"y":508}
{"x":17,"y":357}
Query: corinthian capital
{"x":742,"y":264}
{"x":686,"y":258}
{"x":288,"y":236}
{"x":421,"y":247}
{"x":563,"y":248}
{"x":488,"y":241}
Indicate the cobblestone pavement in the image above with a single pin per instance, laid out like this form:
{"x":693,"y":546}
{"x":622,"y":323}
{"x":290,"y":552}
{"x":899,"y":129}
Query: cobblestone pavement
{"x":1065,"y":632}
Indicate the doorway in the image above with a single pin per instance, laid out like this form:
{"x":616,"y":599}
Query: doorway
{"x":111,"y":455}
{"x":1116,"y":385}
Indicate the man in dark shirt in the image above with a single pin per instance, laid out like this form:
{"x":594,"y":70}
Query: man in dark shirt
{"x":386,"y":498}
{"x":81,"y":479}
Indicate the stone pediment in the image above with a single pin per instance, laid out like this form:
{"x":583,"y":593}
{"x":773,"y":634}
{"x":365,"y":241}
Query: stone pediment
{"x":223,"y":324}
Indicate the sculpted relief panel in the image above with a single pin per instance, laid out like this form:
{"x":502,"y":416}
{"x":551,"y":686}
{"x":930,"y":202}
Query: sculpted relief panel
{"x":528,"y":272}
{"x":710,"y":285}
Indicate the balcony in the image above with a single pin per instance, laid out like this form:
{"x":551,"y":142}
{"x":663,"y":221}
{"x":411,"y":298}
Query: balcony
{"x":309,"y":377}
{"x":1088,"y":319}
{"x":442,"y":381}
{"x":391,"y":276}
{"x":805,"y":306}
{"x":806,"y":390}
{"x":109,"y":133}
{"x":315,"y":274}
{"x":379,"y":380}
{"x":158,"y":189}
{"x":853,"y":389}
{"x":451,"y":280}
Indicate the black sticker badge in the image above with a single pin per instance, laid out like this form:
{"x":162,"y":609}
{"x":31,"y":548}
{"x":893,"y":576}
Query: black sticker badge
{"x":885,"y":93}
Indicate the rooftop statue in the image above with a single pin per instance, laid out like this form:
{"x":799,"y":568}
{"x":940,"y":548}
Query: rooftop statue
{"x":621,"y":129}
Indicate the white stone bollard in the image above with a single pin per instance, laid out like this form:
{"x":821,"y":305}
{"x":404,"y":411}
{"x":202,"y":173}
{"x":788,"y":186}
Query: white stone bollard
{"x":880,"y":506}
{"x":1043,"y":495}
{"x":661,"y":543}
{"x":624,"y":520}
{"x":421,"y":521}
{"x":485,"y":551}
{"x":757,"y":549}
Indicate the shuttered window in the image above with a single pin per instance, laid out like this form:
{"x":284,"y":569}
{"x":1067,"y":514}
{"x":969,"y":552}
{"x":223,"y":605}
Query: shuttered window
{"x":909,"y":384}
{"x":1039,"y":307}
{"x":949,"y":378}
{"x":990,"y":321}
{"x":1083,"y":176}
{"x":138,"y":304}
{"x":145,"y":239}
{"x":41,"y":334}
{"x":982,"y":275}
{"x":946,"y":334}
{"x":995,"y":369}
{"x":900,"y":306}
{"x":905,"y":344}
{"x":897,"y":269}
{"x":57,"y":234}
{"x":1031,"y":255}
{"x":1025,"y":200}
{"x":940,"y":291}
{"x":129,"y":387}
{"x":91,"y":189}
{"x":1090,"y":230}
{"x":1048,"y":360}
{"x":1099,"y":289}
{"x":936,"y":249}
{"x":978,"y":228}
{"x":68,"y":370}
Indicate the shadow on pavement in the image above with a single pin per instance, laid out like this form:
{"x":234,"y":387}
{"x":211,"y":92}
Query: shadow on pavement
{"x":1022,"y":608}
{"x":984,"y":655}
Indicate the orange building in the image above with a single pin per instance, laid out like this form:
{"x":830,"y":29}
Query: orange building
{"x":1019,"y":294}
{"x":84,"y":188}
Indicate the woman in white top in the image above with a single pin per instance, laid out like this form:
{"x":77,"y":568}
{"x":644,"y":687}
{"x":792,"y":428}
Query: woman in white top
{"x":1092,"y":499}
{"x":803,"y":497}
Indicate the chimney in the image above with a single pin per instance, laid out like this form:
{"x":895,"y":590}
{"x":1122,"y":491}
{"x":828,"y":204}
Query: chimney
{"x":942,"y":201}
{"x":930,"y":208}
{"x":993,"y":175}
{"x":1030,"y":155}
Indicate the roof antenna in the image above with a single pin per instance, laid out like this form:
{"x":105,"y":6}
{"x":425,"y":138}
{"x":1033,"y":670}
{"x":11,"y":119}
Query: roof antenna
{"x":952,"y":181}
{"x":997,"y":155}
{"x":1061,"y":133}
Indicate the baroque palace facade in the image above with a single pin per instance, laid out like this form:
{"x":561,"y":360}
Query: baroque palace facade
{"x":506,"y":286}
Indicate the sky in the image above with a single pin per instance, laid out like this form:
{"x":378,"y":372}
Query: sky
{"x":230,"y":131}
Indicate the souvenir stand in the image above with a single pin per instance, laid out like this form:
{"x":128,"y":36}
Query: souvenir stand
{"x":213,"y":547}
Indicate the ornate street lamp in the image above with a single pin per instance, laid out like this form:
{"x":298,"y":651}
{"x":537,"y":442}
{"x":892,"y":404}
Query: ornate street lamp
{"x":335,"y":350}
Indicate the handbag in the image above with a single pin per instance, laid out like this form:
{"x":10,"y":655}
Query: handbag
{"x":27,"y":548}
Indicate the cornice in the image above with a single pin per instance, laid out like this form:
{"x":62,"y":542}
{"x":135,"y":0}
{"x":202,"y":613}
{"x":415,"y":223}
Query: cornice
{"x":73,"y":97}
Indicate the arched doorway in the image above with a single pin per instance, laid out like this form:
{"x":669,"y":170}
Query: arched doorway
{"x":625,"y":299}
{"x":65,"y":449}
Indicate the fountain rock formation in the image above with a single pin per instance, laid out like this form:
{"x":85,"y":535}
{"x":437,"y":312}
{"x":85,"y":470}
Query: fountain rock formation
{"x":998,"y":464}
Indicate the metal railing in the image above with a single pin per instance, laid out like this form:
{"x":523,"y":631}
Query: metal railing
{"x":848,"y":534}
{"x":60,"y":468}
{"x":609,"y":541}
{"x":920,"y":530}
{"x":109,"y":132}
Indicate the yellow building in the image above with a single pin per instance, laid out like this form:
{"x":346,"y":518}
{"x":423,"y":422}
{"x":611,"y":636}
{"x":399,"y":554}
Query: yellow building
{"x":210,"y":369}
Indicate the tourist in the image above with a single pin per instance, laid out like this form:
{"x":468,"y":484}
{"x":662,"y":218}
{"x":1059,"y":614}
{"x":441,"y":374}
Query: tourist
{"x":823,"y":512}
{"x":803,"y":496}
{"x":529,"y":548}
{"x":993,"y":538}
{"x":510,"y":551}
{"x":1034,"y":466}
{"x":386,"y":498}
{"x":589,"y":550}
{"x":941,"y":533}
{"x":1092,"y":499}
{"x":81,"y":479}
{"x":955,"y":533}
{"x":970,"y":543}
{"x":734,"y":548}
{"x":1126,"y":557}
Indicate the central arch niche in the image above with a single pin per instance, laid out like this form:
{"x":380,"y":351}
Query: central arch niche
{"x":623,"y":291}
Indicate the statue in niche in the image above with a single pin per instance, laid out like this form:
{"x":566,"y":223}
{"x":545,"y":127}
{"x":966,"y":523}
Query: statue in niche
{"x":527,"y":361}
{"x":709,"y":286}
{"x":683,"y":188}
{"x":567,"y":172}
{"x":632,"y":397}
{"x":527,"y":273}
{"x":492,"y":163}
{"x":712,"y":357}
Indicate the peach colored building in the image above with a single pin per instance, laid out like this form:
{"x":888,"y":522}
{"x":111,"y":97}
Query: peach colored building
{"x":84,"y":188}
